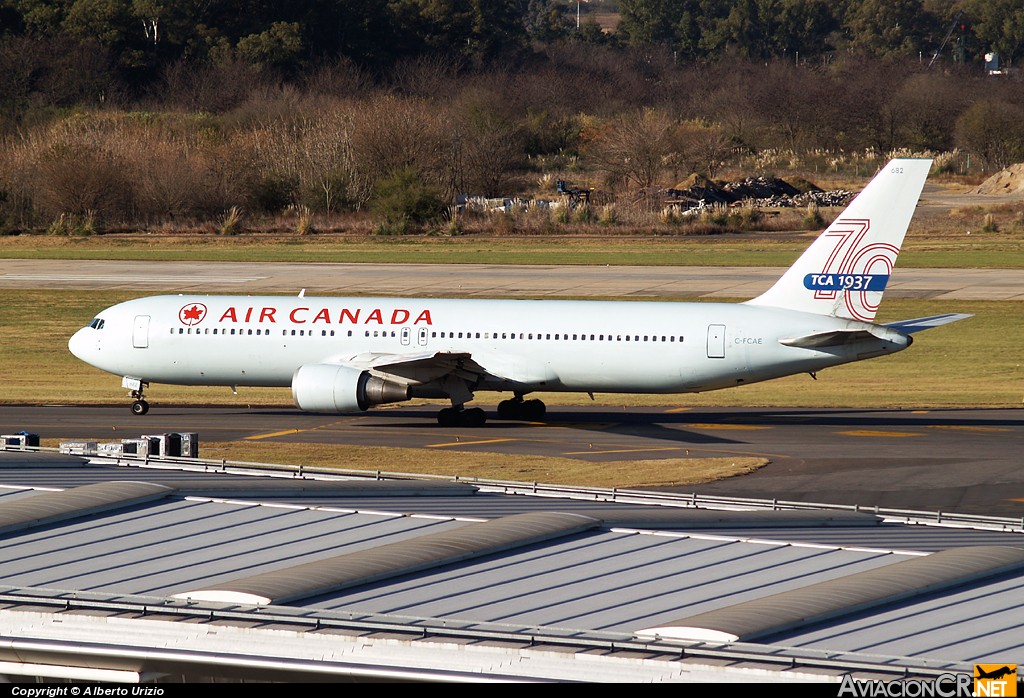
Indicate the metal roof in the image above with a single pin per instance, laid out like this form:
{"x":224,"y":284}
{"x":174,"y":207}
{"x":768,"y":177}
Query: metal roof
{"x":852,"y":593}
{"x":488,"y":565}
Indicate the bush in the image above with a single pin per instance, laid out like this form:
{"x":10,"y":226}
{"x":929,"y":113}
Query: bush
{"x":67,"y":225}
{"x":232,"y":222}
{"x":405,"y":202}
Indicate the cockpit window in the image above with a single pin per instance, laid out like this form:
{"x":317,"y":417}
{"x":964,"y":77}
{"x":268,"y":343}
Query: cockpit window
{"x":97,"y":324}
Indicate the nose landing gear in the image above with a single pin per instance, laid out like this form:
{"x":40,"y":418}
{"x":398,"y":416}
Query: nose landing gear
{"x":136,"y":386}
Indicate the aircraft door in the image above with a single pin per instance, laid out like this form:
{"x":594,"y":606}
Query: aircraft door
{"x":140,"y":332}
{"x":421,"y":338}
{"x":716,"y":341}
{"x":406,"y":336}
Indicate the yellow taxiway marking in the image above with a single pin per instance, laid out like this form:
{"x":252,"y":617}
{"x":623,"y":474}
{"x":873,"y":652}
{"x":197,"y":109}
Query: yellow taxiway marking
{"x":738,"y":427}
{"x":287,"y":432}
{"x":878,"y":434}
{"x":678,"y":409}
{"x":622,"y":450}
{"x":964,"y":427}
{"x":920,"y":411}
{"x":588,"y":426}
{"x":469,"y":443}
{"x":273,"y":434}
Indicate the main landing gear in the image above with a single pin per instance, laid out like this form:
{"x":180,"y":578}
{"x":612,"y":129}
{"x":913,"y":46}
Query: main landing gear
{"x":518,"y":408}
{"x":459,"y":416}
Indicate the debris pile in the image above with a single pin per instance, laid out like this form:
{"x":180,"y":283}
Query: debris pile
{"x":761,"y":192}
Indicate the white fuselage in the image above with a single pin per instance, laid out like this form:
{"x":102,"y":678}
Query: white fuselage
{"x":581,"y":346}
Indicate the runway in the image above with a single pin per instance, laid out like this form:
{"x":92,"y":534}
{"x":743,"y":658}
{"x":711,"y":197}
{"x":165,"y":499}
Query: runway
{"x":949,"y":460}
{"x":474,"y":280}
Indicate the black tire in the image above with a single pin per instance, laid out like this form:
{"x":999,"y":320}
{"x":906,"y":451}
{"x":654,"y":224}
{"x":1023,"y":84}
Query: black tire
{"x":447,"y":417}
{"x":140,"y":407}
{"x":475,"y":417}
{"x":533,"y":410}
{"x":508,"y":409}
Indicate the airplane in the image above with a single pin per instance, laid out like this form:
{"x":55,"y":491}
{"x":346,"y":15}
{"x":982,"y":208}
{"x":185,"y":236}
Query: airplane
{"x":994,"y":674}
{"x":343,"y":355}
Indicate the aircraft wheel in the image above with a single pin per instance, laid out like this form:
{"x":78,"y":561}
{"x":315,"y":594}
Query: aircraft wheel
{"x":447,"y":417}
{"x":508,"y":409}
{"x":533,"y":410}
{"x":475,"y":417}
{"x":140,"y":407}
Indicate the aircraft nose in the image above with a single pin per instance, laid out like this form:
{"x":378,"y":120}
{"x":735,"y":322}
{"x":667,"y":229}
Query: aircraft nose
{"x":79,"y":344}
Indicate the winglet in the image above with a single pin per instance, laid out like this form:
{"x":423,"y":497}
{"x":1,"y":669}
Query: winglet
{"x":845,"y":270}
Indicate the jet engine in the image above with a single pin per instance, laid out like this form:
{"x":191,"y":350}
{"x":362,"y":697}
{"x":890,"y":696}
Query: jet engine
{"x":335,"y":388}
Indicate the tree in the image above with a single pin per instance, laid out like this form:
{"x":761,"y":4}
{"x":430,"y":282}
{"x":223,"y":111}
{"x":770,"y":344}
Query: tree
{"x":993,"y":130}
{"x":888,"y":27}
{"x":278,"y":47}
{"x":476,"y":30}
{"x":998,"y":26}
{"x":635,"y":147}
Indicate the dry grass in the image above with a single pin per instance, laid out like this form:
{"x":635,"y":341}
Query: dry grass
{"x":632,"y":474}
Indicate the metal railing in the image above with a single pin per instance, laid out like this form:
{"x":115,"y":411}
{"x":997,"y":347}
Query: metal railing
{"x":596,"y":494}
{"x":417,"y":628}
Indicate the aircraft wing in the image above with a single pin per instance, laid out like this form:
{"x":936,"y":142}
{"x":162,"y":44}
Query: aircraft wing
{"x":424,"y":366}
{"x":925,"y":323}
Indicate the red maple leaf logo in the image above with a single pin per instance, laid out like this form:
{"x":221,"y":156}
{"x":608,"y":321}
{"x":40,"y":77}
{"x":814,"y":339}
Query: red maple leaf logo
{"x":192,"y":314}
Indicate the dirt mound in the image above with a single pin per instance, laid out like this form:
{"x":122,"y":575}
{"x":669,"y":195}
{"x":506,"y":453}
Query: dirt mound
{"x":1008,"y":181}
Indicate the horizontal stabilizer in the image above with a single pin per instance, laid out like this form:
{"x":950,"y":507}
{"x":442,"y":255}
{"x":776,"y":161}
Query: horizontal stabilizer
{"x":926,"y":323}
{"x":832,"y":338}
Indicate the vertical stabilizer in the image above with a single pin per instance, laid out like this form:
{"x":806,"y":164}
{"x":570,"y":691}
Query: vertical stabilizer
{"x":845,"y":270}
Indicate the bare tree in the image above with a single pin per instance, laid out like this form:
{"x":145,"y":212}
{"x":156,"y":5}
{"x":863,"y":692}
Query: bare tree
{"x":635,"y":147}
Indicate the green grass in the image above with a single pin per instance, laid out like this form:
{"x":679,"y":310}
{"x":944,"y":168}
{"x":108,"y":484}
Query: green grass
{"x":757,"y":250}
{"x":976,"y":362}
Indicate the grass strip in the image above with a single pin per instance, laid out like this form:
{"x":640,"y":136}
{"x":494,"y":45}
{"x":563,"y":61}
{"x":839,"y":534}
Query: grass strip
{"x":631,"y":474}
{"x":983,"y":251}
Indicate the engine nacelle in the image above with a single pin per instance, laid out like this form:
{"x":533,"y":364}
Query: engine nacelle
{"x":334,"y":388}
